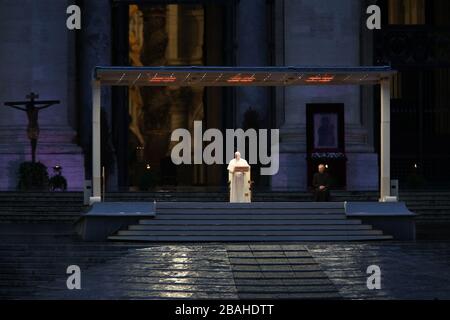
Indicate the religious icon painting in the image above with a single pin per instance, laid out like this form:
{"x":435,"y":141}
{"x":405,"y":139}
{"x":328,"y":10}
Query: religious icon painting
{"x":325,"y":131}
{"x":325,"y":127}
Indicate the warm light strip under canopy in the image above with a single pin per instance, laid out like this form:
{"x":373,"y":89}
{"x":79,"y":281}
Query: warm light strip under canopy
{"x":240,"y":76}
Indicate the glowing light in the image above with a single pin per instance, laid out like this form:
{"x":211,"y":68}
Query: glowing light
{"x":320,"y":79}
{"x":165,"y":79}
{"x":241,"y":79}
{"x":148,"y":167}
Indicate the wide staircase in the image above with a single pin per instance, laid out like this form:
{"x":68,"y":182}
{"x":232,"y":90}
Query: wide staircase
{"x":40,"y":207}
{"x":258,"y":221}
{"x":432,"y":207}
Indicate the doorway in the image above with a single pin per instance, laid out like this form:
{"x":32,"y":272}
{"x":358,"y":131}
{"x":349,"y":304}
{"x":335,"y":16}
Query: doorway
{"x":171,"y":35}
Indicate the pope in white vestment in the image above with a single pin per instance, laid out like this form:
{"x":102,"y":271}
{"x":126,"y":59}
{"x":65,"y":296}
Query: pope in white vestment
{"x":239,"y":179}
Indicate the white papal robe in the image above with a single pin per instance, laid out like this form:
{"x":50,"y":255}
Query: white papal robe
{"x":239,"y":181}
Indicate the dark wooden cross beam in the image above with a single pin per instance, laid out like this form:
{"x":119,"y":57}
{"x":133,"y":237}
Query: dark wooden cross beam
{"x":32,"y":108}
{"x":32,"y":100}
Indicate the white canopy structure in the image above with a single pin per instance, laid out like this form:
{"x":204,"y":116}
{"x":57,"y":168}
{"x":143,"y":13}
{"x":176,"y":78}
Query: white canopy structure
{"x":242,"y":76}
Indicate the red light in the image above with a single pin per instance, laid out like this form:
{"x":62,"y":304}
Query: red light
{"x":320,"y":79}
{"x":241,"y":79}
{"x":159,"y":79}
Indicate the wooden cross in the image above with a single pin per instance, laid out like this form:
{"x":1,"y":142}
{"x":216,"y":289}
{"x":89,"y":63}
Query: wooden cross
{"x":32,"y":108}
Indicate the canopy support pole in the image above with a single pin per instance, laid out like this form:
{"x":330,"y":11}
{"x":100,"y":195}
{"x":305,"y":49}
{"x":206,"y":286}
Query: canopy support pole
{"x":96,"y":156}
{"x":385,"y":147}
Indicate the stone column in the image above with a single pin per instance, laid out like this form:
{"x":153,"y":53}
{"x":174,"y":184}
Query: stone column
{"x":37,"y":55}
{"x":95,"y":50}
{"x":96,"y":143}
{"x":322,"y":33}
{"x":385,"y":148}
{"x":252,"y":50}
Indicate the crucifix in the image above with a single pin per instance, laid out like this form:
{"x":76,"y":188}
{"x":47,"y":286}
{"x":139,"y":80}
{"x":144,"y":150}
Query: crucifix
{"x":32,"y":107}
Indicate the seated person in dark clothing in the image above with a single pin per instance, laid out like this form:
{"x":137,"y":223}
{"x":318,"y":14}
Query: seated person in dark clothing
{"x":321,"y":184}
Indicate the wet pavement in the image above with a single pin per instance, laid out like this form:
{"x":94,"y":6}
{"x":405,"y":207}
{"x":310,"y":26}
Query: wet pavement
{"x":34,"y":267}
{"x":409,"y":270}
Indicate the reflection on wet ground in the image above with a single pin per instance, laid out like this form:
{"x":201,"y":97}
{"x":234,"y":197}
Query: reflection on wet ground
{"x":409,"y":270}
{"x":36,"y":269}
{"x":156,"y":272}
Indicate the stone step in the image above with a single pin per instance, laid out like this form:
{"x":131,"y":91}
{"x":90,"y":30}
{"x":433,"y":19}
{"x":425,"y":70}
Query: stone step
{"x":60,"y":238}
{"x":249,"y":211}
{"x":426,"y":208}
{"x":256,"y":238}
{"x":244,"y":216}
{"x":427,"y":200}
{"x":32,"y":218}
{"x":212,"y":199}
{"x":283,"y":221}
{"x":39,"y":210}
{"x":253,"y":205}
{"x":249,"y":227}
{"x":248,"y":222}
{"x":4,"y":219}
{"x":306,"y":195}
{"x":424,"y":194}
{"x":41,"y":194}
{"x":40,"y":214}
{"x":335,"y":193}
{"x":238,"y":233}
{"x":435,"y":219}
{"x":65,"y":207}
{"x":431,"y":214}
{"x":41,"y":202}
{"x":428,"y":215}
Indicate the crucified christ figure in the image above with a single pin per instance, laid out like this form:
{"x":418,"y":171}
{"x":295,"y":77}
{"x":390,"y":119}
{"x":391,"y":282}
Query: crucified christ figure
{"x":32,"y":108}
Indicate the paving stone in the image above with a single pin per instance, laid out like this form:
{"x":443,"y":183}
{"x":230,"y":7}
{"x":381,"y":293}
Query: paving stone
{"x":278,"y":274}
{"x":37,"y":270}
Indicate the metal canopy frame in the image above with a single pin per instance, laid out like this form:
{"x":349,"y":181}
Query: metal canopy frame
{"x":238,"y":77}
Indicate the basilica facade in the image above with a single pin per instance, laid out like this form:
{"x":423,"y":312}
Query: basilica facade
{"x":334,"y":125}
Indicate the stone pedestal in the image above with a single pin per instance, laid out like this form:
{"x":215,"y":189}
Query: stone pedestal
{"x":38,"y":55}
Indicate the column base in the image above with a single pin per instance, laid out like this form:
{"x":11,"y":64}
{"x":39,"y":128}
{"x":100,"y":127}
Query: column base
{"x":55,"y":147}
{"x":71,"y":163}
